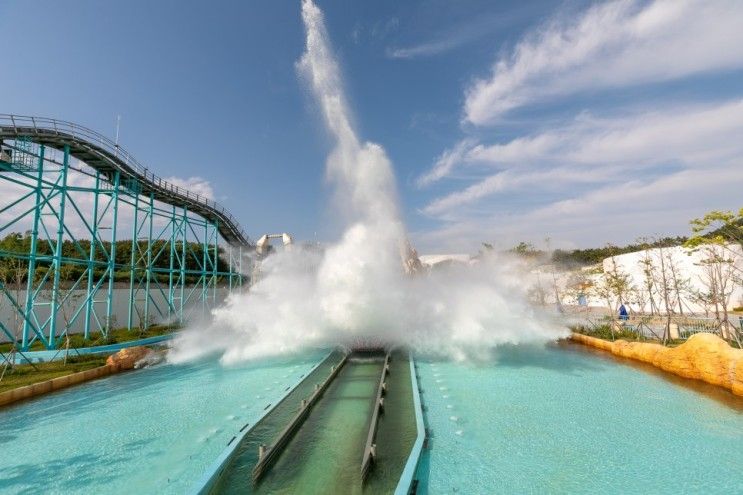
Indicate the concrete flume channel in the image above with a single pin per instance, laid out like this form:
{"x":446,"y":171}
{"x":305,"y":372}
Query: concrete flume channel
{"x":330,"y":434}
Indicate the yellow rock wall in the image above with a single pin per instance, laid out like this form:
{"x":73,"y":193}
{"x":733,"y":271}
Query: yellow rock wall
{"x":703,"y":356}
{"x":126,"y":358}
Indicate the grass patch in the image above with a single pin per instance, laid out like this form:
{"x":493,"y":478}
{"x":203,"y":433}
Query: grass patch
{"x":116,"y":336}
{"x":604,"y":332}
{"x":25,"y":374}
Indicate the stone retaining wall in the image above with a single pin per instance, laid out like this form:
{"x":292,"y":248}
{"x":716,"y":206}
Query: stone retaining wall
{"x":703,"y":356}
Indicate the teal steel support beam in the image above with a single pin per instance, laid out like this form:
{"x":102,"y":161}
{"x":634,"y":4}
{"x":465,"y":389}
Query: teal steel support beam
{"x":32,"y":254}
{"x":231,"y":270}
{"x":171,"y":294}
{"x":112,"y":259}
{"x":205,"y":255}
{"x":149,"y":264}
{"x":55,"y":249}
{"x":215,"y":263}
{"x":133,"y":264}
{"x":90,"y":301}
{"x":57,"y":263}
{"x":183,"y":264}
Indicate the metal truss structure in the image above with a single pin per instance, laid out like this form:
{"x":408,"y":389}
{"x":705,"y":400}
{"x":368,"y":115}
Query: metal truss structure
{"x":79,"y":197}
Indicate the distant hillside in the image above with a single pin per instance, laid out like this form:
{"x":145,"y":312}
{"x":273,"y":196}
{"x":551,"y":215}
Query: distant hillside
{"x":567,"y":259}
{"x":591,"y":256}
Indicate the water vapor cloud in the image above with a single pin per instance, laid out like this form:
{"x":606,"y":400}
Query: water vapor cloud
{"x":355,"y":290}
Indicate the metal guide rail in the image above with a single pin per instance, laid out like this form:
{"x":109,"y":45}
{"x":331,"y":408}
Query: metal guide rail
{"x":105,"y":155}
{"x":268,"y":455}
{"x":370,"y":447}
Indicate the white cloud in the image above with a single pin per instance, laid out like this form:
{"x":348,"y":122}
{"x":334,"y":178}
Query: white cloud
{"x":446,"y":162}
{"x":648,"y":172}
{"x":614,"y":44}
{"x":617,"y":213}
{"x":694,"y":136}
{"x":479,"y":25}
{"x":512,"y":181}
{"x":382,"y":29}
{"x":425,"y":49}
{"x":195,"y":185}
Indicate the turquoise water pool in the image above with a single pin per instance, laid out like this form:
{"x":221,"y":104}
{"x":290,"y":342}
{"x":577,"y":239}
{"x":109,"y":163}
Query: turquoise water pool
{"x":151,"y":431}
{"x":561,"y":420}
{"x":536,"y":420}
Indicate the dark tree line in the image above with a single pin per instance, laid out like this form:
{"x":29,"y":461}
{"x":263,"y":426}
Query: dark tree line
{"x":591,"y":256}
{"x":20,"y":244}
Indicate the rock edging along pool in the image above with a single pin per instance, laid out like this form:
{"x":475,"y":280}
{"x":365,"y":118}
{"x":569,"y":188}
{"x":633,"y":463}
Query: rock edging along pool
{"x":703,"y":356}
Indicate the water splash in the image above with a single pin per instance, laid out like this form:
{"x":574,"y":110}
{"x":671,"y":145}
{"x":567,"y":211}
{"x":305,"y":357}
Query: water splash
{"x":356,"y":290}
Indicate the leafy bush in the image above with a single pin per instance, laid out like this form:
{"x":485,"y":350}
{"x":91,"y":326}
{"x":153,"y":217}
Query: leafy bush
{"x":604,"y":332}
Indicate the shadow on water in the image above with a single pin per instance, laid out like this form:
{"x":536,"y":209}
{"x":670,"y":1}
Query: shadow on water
{"x":718,"y":394}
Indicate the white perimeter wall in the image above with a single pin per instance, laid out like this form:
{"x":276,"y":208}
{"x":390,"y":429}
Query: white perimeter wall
{"x":689,"y":264}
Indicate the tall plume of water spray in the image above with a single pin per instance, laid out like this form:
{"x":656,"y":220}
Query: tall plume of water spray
{"x":357,"y":289}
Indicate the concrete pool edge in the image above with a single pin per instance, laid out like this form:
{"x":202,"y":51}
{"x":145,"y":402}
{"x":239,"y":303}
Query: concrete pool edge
{"x":210,"y":477}
{"x":408,"y":475}
{"x":713,"y":362}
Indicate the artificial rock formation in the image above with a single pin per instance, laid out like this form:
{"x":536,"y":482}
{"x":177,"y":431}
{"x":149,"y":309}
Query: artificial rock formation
{"x":127,"y":359}
{"x":703,"y":356}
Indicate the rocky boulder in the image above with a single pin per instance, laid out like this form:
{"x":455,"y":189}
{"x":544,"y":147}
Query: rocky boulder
{"x":127,"y":359}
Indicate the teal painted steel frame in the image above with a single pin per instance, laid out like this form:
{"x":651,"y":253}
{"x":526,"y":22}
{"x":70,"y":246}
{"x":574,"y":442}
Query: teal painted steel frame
{"x":58,"y":355}
{"x":55,"y":198}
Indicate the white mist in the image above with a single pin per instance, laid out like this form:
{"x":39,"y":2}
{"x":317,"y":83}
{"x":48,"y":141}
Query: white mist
{"x":357,"y":289}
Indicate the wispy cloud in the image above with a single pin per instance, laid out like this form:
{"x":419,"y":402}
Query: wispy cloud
{"x":615,"y":213}
{"x":446,"y":162}
{"x":459,"y":35}
{"x":534,"y":180}
{"x":621,"y":43}
{"x":592,"y":149}
{"x":382,"y":29}
{"x":429,"y":48}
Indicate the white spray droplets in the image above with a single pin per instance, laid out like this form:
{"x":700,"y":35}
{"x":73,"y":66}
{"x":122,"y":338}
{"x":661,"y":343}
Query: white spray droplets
{"x":356,"y":289}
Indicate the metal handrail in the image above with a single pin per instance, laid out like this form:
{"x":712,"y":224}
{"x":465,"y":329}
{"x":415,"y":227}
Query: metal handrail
{"x":85,"y":134}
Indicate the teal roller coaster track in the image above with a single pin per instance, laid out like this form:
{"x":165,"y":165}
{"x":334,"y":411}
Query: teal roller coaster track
{"x":67,"y":187}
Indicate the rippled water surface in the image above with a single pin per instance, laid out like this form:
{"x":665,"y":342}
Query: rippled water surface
{"x":150,"y":431}
{"x":537,"y":420}
{"x":560,"y":420}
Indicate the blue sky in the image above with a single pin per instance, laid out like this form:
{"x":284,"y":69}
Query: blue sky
{"x":586,"y":122}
